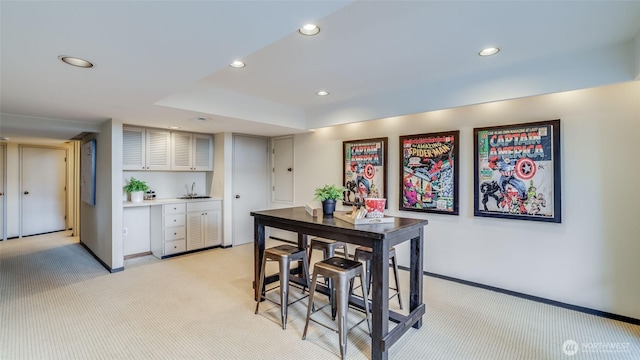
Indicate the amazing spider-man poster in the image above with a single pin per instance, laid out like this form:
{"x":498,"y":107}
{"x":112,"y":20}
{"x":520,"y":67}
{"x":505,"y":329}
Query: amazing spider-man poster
{"x":365,"y":170}
{"x":517,"y":171}
{"x":429,"y":172}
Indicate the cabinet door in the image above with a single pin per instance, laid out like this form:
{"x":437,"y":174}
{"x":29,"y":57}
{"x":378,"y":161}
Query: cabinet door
{"x":213,"y":227}
{"x":195,"y":227}
{"x":202,"y":152}
{"x":158,"y":150}
{"x":181,"y":153}
{"x":136,"y":235}
{"x":133,"y":146}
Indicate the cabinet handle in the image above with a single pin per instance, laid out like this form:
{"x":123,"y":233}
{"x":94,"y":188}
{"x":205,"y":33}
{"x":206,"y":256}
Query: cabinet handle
{"x":174,"y":220}
{"x":175,"y":233}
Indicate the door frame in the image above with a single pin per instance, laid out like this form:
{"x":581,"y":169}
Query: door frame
{"x":20,"y":179}
{"x":74,"y":171}
{"x":3,"y":189}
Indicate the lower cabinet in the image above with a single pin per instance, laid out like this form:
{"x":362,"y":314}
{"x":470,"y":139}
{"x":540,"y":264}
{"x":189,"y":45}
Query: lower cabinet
{"x":168,"y":229}
{"x":136,"y":237}
{"x":181,"y":227}
{"x":203,"y":224}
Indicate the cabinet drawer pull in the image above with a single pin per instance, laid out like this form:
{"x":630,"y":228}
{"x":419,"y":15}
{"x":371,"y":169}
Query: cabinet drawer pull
{"x":175,"y":233}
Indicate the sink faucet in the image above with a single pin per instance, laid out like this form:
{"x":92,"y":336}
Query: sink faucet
{"x":192,"y":186}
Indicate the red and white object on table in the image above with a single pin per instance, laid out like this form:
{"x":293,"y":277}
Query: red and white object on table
{"x":375,"y":207}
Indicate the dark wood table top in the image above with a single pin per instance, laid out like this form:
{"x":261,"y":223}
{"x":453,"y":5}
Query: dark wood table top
{"x":298,"y":216}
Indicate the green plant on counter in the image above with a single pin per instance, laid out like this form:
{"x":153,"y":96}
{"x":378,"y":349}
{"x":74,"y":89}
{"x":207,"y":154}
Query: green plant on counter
{"x":136,"y":185}
{"x":329,"y":192}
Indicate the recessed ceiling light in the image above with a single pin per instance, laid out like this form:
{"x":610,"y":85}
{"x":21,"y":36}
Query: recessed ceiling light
{"x":489,"y":51}
{"x":237,"y":64}
{"x":174,"y":127}
{"x":75,"y":61}
{"x":309,"y":29}
{"x":4,"y":138}
{"x":322,"y":93}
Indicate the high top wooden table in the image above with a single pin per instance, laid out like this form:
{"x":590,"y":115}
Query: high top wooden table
{"x":379,"y":238}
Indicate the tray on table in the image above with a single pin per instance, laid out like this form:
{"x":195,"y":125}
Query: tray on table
{"x":346,"y":216}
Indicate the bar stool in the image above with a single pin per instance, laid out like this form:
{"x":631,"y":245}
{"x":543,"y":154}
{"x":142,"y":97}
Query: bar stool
{"x":327,"y":246}
{"x":284,"y":255}
{"x":365,"y":253}
{"x":342,"y":272}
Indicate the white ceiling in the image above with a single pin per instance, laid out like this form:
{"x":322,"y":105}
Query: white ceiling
{"x":162,"y":63}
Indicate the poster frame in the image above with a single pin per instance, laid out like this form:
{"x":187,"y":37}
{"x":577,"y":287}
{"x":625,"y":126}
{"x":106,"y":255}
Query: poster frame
{"x":351,"y":188}
{"x":519,"y":170}
{"x":452,"y":140}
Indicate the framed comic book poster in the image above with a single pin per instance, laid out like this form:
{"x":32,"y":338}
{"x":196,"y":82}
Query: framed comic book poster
{"x":364,"y":170}
{"x":517,"y":171}
{"x":429,"y":172}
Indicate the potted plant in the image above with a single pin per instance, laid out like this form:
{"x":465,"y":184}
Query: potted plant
{"x":328,"y":195}
{"x":136,"y":188}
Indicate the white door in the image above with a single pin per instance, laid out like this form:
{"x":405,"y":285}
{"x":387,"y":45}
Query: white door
{"x":42,"y":189}
{"x":283,"y":170}
{"x":3,"y":234}
{"x":250,"y":184}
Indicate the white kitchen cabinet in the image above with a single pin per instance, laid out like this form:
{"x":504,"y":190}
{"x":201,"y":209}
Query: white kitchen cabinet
{"x":145,"y":149}
{"x":204,"y":224}
{"x":191,"y":152}
{"x":136,"y":231}
{"x":168,"y":229}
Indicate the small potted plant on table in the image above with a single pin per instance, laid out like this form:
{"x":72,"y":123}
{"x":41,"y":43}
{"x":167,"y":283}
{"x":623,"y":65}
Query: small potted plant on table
{"x":136,"y":188}
{"x":328,"y":195}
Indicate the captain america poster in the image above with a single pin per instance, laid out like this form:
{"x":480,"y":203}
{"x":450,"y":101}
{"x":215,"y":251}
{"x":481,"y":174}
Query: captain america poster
{"x":517,"y":171}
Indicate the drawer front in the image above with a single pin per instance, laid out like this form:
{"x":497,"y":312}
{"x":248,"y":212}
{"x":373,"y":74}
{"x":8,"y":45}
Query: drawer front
{"x":204,"y":205}
{"x":174,"y":247}
{"x":174,"y":220}
{"x":174,"y":208}
{"x":174,"y":233}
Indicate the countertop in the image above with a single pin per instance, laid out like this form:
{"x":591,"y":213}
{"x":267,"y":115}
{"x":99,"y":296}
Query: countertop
{"x":165,"y":201}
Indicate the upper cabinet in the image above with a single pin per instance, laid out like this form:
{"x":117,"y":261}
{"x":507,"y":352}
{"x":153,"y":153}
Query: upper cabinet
{"x":145,"y":149}
{"x":191,"y":152}
{"x":157,"y":149}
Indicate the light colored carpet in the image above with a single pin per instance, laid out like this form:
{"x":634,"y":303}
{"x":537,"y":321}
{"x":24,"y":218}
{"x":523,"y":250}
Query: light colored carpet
{"x":57,"y":302}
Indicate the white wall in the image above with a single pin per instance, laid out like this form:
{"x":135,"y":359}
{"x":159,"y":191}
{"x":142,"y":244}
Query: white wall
{"x":589,"y":260}
{"x":101,"y":225}
{"x":170,"y":184}
{"x":636,"y":52}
